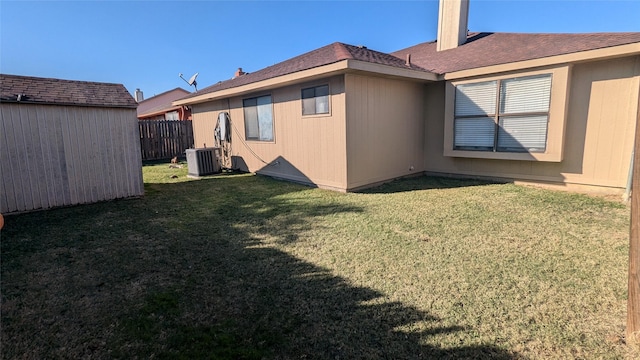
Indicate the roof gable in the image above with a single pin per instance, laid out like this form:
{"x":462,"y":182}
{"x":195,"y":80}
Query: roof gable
{"x":35,"y":90}
{"x":161,"y":102}
{"x":486,"y":49}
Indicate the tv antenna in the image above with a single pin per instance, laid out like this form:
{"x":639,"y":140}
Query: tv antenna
{"x":191,"y":81}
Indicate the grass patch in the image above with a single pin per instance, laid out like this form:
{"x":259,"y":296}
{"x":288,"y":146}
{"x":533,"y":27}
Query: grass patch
{"x":237,"y":266}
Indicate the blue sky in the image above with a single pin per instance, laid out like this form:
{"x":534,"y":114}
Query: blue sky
{"x":145,"y":44}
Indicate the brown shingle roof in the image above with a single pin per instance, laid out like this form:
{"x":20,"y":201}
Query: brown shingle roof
{"x":485,"y":49}
{"x":480,"y":49}
{"x":325,"y":55}
{"x":63,"y":92}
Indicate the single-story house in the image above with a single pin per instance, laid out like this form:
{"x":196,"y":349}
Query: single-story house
{"x":160,"y":107}
{"x":66,"y":142}
{"x":556,"y":109}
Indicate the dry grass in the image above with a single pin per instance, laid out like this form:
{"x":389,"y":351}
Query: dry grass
{"x":245,"y":267}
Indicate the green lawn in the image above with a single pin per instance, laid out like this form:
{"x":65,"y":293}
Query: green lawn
{"x":247,"y":267}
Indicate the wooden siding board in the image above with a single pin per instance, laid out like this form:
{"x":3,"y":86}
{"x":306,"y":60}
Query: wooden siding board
{"x":29,"y":121}
{"x":56,"y":155}
{"x":133,"y":160}
{"x":11,"y":186}
{"x":70,"y":164}
{"x":48,"y":195}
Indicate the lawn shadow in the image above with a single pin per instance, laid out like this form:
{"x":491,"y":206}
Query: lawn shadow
{"x":425,"y":182}
{"x":193,"y":271}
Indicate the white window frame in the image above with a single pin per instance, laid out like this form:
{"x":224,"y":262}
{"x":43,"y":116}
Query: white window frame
{"x":553,"y":151}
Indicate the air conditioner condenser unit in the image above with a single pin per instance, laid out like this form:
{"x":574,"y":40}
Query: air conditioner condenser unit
{"x":203,"y":161}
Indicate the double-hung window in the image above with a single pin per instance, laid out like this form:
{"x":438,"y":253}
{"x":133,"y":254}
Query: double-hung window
{"x":315,"y":100}
{"x":506,"y":115}
{"x":258,"y":118}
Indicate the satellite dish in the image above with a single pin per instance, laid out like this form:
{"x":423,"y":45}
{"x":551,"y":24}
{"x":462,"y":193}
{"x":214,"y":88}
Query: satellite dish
{"x":191,"y":81}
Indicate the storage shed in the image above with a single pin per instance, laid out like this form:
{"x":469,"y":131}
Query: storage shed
{"x":65,"y":142}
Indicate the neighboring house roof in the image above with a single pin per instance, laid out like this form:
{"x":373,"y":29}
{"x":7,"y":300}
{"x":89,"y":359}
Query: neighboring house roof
{"x":161,"y":103}
{"x":325,"y":55}
{"x":35,"y":90}
{"x":485,"y":49}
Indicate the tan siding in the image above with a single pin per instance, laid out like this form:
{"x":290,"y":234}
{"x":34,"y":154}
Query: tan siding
{"x":205,"y":116}
{"x":58,"y":155}
{"x":308,"y":149}
{"x":601,"y":117}
{"x":385,"y":129}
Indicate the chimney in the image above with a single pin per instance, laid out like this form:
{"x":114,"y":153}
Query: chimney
{"x":238,"y":73}
{"x":452,"y":23}
{"x":139,"y":97}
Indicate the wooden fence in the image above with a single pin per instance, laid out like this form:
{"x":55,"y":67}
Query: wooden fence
{"x":164,"y":139}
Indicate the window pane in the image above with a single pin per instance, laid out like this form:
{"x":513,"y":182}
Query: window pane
{"x":250,"y":102}
{"x":474,"y":133}
{"x":251,"y":123}
{"x":522,"y":133}
{"x":322,"y":104}
{"x":265,"y":118}
{"x":476,"y":99}
{"x":322,"y":90}
{"x":527,"y":94}
{"x":308,"y":93}
{"x":308,"y":106}
{"x":173,"y":115}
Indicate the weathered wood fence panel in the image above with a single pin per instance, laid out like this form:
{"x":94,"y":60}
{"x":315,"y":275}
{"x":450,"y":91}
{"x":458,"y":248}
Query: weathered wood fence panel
{"x":66,"y":155}
{"x":164,"y":139}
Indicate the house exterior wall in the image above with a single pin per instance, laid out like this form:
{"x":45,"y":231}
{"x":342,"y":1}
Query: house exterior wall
{"x":385,"y":129}
{"x":602,"y":110}
{"x":309,"y":149}
{"x":66,"y":155}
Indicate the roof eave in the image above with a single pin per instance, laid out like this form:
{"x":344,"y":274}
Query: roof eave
{"x":159,"y":112}
{"x":576,"y":57}
{"x":339,"y":67}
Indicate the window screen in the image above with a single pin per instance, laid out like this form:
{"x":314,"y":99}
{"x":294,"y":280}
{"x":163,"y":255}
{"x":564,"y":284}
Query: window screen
{"x":258,"y":118}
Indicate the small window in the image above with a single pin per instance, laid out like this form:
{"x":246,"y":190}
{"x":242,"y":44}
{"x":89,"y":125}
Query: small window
{"x":172,"y":115}
{"x":258,"y":118}
{"x":509,"y":115}
{"x":315,"y":100}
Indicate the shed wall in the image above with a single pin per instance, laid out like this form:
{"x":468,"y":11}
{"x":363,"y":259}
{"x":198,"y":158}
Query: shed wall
{"x":64,"y":155}
{"x":307,"y":149}
{"x":599,"y":135}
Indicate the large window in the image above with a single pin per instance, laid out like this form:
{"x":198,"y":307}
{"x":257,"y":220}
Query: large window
{"x":315,"y":100}
{"x":258,"y":118}
{"x":506,"y":115}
